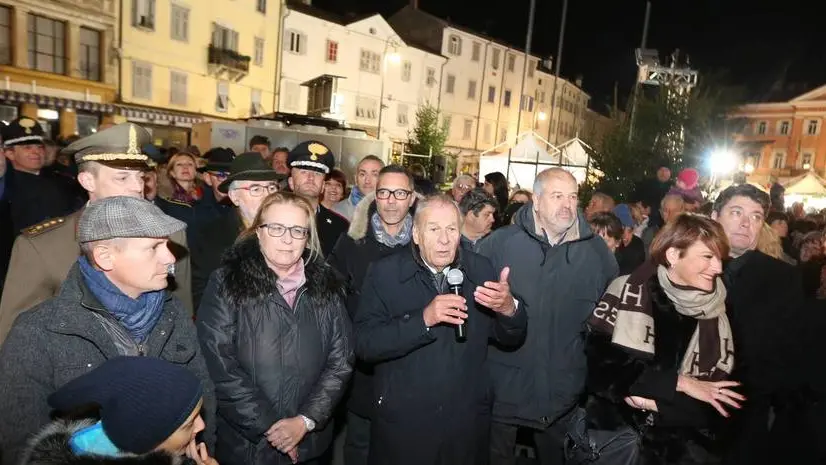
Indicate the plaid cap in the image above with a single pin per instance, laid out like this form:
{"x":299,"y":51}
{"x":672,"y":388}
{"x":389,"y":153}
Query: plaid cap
{"x":121,"y":216}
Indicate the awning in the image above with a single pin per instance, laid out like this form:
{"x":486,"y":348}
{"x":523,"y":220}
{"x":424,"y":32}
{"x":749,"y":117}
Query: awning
{"x":157,"y":116}
{"x":48,"y":101}
{"x":321,"y":79}
{"x":807,"y":184}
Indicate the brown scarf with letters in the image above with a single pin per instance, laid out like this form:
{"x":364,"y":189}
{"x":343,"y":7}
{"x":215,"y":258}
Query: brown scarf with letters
{"x":625,"y":313}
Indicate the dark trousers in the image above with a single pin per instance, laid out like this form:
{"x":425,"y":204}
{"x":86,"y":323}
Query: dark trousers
{"x":550,"y":443}
{"x":357,"y":441}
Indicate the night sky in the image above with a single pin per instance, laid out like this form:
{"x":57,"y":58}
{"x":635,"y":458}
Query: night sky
{"x":754,"y":43}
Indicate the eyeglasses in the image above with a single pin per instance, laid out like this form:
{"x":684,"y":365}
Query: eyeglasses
{"x":257,"y":190}
{"x":278,"y":230}
{"x":464,"y":187}
{"x":219,"y":174}
{"x":399,"y":194}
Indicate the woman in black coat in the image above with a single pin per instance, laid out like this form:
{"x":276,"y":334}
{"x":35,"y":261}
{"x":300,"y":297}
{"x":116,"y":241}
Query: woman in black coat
{"x":660,"y":347}
{"x":276,"y":338}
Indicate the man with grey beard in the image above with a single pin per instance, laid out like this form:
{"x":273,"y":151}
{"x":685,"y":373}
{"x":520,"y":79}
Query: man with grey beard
{"x":249,"y":181}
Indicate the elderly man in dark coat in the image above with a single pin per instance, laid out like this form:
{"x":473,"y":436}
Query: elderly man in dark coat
{"x":113,"y":303}
{"x":430,"y":390}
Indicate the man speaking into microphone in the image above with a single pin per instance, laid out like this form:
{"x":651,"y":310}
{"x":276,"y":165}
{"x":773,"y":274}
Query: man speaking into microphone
{"x":432,"y":395}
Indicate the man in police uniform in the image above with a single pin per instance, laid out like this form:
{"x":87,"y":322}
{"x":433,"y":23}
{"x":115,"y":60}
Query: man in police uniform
{"x":110,"y":163}
{"x":34,"y":194}
{"x":310,"y":162}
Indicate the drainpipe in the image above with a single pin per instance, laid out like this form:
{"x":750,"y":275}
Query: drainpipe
{"x":121,"y":17}
{"x":481,"y":97}
{"x":501,"y":70}
{"x":276,"y":94}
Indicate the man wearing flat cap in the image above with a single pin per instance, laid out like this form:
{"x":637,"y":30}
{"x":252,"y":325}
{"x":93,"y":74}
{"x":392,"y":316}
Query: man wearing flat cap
{"x":34,"y":194}
{"x":310,"y":162}
{"x":110,"y":163}
{"x":248,"y":182}
{"x":113,"y":303}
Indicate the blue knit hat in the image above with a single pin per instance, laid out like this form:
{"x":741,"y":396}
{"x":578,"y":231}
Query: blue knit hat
{"x":623,"y":212}
{"x":142,"y":400}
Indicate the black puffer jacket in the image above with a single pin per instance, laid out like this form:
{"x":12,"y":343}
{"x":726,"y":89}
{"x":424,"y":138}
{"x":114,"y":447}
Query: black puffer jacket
{"x":271,"y":362}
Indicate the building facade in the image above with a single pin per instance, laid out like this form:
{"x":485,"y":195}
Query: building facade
{"x":185,"y":60}
{"x":481,"y":89}
{"x":356,"y":70}
{"x":57,"y":63}
{"x":780,"y":140}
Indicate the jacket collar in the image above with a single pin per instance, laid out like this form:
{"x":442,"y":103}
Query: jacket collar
{"x":411,"y":267}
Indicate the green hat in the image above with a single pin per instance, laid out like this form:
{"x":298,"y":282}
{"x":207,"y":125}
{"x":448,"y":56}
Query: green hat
{"x":120,"y":146}
{"x":249,"y":166}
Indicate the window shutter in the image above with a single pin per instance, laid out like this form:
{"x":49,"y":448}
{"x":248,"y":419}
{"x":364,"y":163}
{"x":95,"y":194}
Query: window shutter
{"x":135,"y":18}
{"x":302,"y":48}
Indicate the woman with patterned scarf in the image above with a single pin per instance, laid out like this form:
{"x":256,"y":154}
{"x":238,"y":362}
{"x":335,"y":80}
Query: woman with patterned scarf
{"x":660,"y":346}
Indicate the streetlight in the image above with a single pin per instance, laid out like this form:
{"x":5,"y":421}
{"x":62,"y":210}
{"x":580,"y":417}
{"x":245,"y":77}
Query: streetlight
{"x":394,"y":58}
{"x":722,"y":161}
{"x":539,"y":116}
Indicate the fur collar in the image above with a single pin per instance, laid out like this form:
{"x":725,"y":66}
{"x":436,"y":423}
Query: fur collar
{"x":247,"y":280}
{"x":360,"y":223}
{"x":51,"y":447}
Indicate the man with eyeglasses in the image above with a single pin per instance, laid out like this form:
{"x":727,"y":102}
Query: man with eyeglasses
{"x":248,"y":181}
{"x":461,"y":185}
{"x":381,"y":225}
{"x":214,"y":173}
{"x":310,"y":162}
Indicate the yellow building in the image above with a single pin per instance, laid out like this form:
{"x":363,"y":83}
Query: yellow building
{"x":185,"y":60}
{"x":56,"y":64}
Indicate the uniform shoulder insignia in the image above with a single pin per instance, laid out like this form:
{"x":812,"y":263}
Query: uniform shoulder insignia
{"x":45,"y":226}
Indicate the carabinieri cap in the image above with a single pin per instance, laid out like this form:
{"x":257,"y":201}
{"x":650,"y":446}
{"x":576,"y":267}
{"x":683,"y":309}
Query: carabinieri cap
{"x":22,"y":131}
{"x":120,"y":146}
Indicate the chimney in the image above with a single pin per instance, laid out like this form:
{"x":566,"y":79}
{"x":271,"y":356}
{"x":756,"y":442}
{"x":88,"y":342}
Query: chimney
{"x":414,"y":4}
{"x":578,"y":81}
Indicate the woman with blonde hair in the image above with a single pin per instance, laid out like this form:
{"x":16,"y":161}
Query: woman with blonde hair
{"x":769,"y":243}
{"x":276,"y":338}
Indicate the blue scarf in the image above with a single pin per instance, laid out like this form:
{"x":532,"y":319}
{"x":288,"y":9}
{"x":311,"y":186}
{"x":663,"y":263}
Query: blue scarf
{"x":138,"y":316}
{"x":355,"y":195}
{"x":402,"y":238}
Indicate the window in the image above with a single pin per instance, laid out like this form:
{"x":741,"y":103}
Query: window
{"x":177,"y":85}
{"x":143,"y":14}
{"x":471,"y":90}
{"x":141,"y":80}
{"x":431,"y":77}
{"x":503,"y":135}
{"x":180,"y":23}
{"x":370,"y":62}
{"x":779,"y":161}
{"x":401,"y":115}
{"x":407,"y":70}
{"x":293,"y":92}
{"x":467,"y":129}
{"x":47,"y":44}
{"x":784,"y":128}
{"x":223,"y":38}
{"x":332,"y":51}
{"x":491,"y":94}
{"x":486,"y":133}
{"x":447,"y":121}
{"x":89,"y":54}
{"x":541,"y":96}
{"x":5,"y":35}
{"x":258,"y":56}
{"x":455,"y":45}
{"x":506,"y":99}
{"x":761,"y":128}
{"x":531,"y":68}
{"x":812,"y":127}
{"x":296,"y":42}
{"x":476,"y":52}
{"x":511,"y":63}
{"x":222,"y":97}
{"x":261,"y":6}
{"x":526,"y":103}
{"x":86,"y":124}
{"x":494,"y":61}
{"x":365,"y":108}
{"x":450,"y":86}
{"x":255,"y":102}
{"x":807,"y":161}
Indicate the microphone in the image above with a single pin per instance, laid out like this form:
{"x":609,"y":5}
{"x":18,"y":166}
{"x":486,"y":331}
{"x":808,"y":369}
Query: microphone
{"x":454,"y":282}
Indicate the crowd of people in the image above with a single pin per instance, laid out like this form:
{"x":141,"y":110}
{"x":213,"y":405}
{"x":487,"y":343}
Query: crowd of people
{"x":251,"y":308}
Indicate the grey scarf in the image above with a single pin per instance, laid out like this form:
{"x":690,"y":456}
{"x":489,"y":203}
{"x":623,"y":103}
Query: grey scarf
{"x":402,"y":238}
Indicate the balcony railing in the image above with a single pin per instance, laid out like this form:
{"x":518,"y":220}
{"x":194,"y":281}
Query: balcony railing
{"x":229,"y":60}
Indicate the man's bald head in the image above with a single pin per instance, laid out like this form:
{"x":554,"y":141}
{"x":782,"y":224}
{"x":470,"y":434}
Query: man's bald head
{"x":550,"y":174}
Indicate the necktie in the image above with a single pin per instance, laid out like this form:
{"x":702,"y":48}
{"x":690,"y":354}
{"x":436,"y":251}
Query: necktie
{"x":439,"y":279}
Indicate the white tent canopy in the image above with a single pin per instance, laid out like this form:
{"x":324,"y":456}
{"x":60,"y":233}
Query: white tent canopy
{"x":532,"y":154}
{"x":808,"y":184}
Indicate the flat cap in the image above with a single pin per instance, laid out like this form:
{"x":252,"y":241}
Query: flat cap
{"x":312,"y":155}
{"x":122,"y":217}
{"x":120,"y":146}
